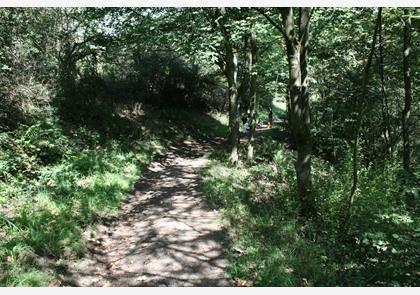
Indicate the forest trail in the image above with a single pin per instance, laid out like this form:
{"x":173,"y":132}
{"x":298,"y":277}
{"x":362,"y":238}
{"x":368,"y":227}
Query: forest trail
{"x":164,"y":235}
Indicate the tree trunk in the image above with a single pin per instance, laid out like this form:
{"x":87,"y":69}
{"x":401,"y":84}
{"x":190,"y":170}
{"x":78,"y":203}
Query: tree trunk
{"x":232,"y":73}
{"x":359,"y":120}
{"x":385,"y":108}
{"x":304,"y":37}
{"x":288,"y":109}
{"x":252,"y":93}
{"x":407,"y":88}
{"x":299,"y":105}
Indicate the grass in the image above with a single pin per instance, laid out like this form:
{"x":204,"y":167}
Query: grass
{"x":58,"y":179}
{"x":270,"y":246}
{"x":48,"y":206}
{"x":265,"y":248}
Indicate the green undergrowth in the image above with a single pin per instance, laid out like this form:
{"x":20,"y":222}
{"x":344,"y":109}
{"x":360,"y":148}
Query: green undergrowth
{"x":55,"y":179}
{"x":270,"y":246}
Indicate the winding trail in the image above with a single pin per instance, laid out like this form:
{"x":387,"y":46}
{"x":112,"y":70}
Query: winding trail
{"x":164,"y":235}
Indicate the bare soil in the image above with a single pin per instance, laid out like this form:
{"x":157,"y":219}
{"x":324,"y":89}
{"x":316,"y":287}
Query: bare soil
{"x":164,"y":234}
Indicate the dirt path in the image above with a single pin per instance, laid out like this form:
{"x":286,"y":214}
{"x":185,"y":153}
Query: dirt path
{"x":164,"y":234}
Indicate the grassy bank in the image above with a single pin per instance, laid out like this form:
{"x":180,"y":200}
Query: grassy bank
{"x":270,"y":246}
{"x":55,"y":179}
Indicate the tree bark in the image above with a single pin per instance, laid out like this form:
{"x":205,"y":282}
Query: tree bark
{"x":252,"y":93}
{"x":231,"y":72}
{"x":385,"y":108}
{"x":297,"y":52}
{"x":304,"y":37}
{"x":359,"y":120}
{"x":407,"y":89}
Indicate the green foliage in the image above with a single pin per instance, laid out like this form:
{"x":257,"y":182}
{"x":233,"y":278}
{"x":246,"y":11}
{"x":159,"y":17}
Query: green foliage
{"x":336,"y":66}
{"x":259,"y":205}
{"x":59,"y":178}
{"x":270,"y":246}
{"x":53,"y":186}
{"x":88,"y":96}
{"x":383,"y":239}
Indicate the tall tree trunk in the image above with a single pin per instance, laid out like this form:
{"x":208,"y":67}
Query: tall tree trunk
{"x":407,"y":88}
{"x":232,"y":73}
{"x":385,"y":108}
{"x":359,"y":120}
{"x":303,"y":164}
{"x":304,"y":37}
{"x":299,"y":104}
{"x":252,"y":93}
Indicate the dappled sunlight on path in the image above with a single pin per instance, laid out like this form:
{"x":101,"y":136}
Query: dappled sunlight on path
{"x":164,"y":234}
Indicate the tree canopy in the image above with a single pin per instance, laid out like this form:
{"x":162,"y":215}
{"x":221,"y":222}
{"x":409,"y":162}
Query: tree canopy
{"x":91,"y":92}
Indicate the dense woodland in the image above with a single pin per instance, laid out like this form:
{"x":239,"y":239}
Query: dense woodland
{"x":328,"y":197}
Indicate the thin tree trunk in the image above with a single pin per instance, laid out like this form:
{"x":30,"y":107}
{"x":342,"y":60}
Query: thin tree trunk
{"x":407,"y":88}
{"x":233,"y":105}
{"x":359,"y":120}
{"x":385,"y":108}
{"x":289,"y":117}
{"x":304,"y":37}
{"x":252,"y":94}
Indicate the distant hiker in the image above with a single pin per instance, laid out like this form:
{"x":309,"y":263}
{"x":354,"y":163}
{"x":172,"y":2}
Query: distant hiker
{"x":270,"y":118}
{"x":245,"y":129}
{"x":246,"y":123}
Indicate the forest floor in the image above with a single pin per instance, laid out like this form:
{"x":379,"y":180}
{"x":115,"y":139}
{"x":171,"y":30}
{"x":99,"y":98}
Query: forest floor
{"x":163,"y":235}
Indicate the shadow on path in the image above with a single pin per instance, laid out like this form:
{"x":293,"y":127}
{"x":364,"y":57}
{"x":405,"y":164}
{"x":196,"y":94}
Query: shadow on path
{"x":164,"y":235}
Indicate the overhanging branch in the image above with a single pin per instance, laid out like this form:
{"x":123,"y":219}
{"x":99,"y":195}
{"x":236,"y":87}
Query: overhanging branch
{"x":271,"y":21}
